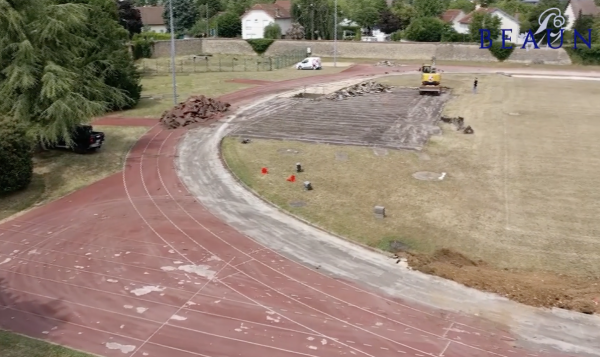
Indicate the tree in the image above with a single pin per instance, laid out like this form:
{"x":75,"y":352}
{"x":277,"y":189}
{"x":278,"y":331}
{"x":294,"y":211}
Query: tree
{"x":429,"y":8}
{"x":229,"y":25}
{"x":129,"y":17}
{"x":486,"y":3}
{"x":53,"y":76}
{"x":213,"y":6}
{"x":147,"y":2}
{"x":389,"y":22}
{"x":532,"y":21}
{"x":200,"y":28}
{"x":366,"y":12}
{"x":272,"y":31}
{"x":513,"y":7}
{"x":109,"y":42}
{"x":295,"y":32}
{"x":185,"y":15}
{"x":487,"y":21}
{"x":465,"y":5}
{"x":404,"y":12}
{"x":583,"y":24}
{"x":425,"y":29}
{"x":16,"y":156}
{"x":596,"y":31}
{"x":316,"y":16}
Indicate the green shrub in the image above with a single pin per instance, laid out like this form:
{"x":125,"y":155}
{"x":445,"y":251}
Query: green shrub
{"x":585,"y":55}
{"x":154,"y":36}
{"x":16,"y":157}
{"x":142,"y":47}
{"x":396,"y":36}
{"x":449,"y":34}
{"x":272,"y":31}
{"x":500,"y":53}
{"x":260,"y":45}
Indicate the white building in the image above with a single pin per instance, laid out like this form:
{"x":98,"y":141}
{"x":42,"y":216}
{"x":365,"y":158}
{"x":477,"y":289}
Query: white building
{"x":152,"y":18}
{"x":453,"y":16}
{"x":580,"y":7}
{"x":508,"y":23}
{"x":260,"y":16}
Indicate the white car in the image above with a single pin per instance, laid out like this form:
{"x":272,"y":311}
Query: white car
{"x":309,"y":63}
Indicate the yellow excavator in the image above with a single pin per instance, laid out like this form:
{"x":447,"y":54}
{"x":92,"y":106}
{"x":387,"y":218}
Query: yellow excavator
{"x":431,"y":80}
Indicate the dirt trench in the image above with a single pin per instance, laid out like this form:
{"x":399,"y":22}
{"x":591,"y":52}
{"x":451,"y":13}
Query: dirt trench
{"x":531,"y":288}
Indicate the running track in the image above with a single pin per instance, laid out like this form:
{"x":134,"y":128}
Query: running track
{"x":134,"y":266}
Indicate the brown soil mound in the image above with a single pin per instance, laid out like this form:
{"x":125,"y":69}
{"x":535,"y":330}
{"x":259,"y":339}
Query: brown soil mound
{"x":196,"y":109}
{"x":531,"y":288}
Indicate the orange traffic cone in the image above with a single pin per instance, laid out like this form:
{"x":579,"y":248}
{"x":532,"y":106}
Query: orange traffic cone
{"x":292,"y":178}
{"x":264,"y":171}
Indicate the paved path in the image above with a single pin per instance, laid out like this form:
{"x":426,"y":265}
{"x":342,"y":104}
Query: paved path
{"x":133,"y":265}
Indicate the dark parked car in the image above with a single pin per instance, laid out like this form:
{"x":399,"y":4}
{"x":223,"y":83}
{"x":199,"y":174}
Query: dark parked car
{"x":85,"y":139}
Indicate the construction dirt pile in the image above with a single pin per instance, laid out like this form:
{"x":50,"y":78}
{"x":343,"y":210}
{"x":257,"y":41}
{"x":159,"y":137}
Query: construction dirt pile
{"x":196,"y":109}
{"x":368,"y":87}
{"x":532,"y":288}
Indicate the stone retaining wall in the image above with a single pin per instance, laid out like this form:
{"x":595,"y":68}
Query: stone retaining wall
{"x":356,"y":49}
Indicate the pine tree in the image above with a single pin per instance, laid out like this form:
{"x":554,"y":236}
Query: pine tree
{"x":52,"y":79}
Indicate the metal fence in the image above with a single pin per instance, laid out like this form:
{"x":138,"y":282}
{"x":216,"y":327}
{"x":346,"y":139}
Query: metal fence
{"x":201,"y":63}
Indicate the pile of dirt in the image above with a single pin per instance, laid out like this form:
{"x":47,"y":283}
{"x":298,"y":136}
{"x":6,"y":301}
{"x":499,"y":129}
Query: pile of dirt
{"x":531,"y":288}
{"x":459,"y":123}
{"x":196,"y":109}
{"x":368,"y":87}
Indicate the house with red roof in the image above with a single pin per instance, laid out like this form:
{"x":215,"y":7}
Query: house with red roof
{"x":578,"y":8}
{"x":462,"y":22}
{"x":152,"y":18}
{"x":259,"y":16}
{"x":453,"y":16}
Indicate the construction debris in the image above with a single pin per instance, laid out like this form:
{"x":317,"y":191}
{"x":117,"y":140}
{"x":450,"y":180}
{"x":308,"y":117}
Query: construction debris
{"x":459,"y":123}
{"x":196,"y":109}
{"x":368,"y":87}
{"x":388,"y":64}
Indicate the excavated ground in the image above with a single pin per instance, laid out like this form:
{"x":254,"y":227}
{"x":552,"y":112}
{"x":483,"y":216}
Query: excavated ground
{"x":401,"y":119}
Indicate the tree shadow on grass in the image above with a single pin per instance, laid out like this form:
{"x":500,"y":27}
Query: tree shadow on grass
{"x":31,"y":315}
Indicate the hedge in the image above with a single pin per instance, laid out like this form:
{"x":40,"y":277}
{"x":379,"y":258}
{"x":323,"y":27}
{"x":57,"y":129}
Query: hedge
{"x":500,"y":53}
{"x":585,"y":55}
{"x":260,"y":45}
{"x":16,"y":157}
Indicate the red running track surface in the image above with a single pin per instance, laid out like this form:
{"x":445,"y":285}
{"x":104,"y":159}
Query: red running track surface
{"x":134,"y":266}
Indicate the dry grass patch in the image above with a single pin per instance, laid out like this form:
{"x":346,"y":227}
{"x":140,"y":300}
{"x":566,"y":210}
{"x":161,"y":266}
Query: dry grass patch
{"x":60,"y":172}
{"x":158,"y":90}
{"x":216,"y":63}
{"x":519,"y":195}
